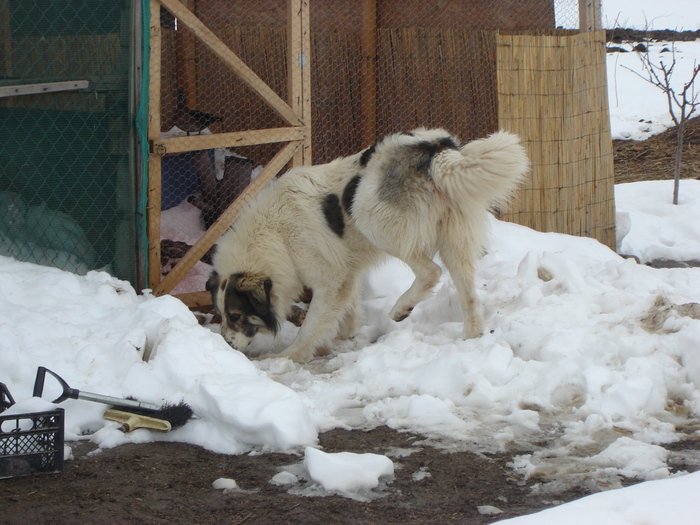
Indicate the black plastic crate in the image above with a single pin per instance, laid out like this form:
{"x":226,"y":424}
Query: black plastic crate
{"x":31,"y":443}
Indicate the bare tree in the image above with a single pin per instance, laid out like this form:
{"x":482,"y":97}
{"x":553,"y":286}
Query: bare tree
{"x":681,"y":106}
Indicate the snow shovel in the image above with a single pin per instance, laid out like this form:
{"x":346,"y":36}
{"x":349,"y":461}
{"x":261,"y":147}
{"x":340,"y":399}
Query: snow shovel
{"x":131,"y":413}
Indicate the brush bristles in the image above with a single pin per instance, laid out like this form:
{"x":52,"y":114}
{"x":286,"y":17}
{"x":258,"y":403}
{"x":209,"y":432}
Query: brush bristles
{"x":177,"y":415}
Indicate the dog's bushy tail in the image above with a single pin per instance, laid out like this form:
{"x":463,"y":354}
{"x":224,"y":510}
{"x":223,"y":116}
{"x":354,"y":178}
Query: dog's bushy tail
{"x":486,"y":171}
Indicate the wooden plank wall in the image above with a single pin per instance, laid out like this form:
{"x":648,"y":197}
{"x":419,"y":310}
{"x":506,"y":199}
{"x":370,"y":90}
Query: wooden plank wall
{"x":552,"y":91}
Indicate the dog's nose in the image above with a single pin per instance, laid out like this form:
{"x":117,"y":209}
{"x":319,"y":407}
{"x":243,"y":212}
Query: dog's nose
{"x":238,"y":341}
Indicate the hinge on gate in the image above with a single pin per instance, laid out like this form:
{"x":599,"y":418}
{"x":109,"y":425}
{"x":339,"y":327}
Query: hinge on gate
{"x":302,"y":59}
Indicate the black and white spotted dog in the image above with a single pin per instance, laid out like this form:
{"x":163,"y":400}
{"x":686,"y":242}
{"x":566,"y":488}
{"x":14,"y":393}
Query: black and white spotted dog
{"x":411,"y":195}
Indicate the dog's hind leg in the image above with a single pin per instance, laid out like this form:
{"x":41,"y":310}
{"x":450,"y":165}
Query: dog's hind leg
{"x":427,"y":274}
{"x":458,"y":261}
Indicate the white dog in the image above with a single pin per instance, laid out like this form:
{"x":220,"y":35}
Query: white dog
{"x":411,"y":195}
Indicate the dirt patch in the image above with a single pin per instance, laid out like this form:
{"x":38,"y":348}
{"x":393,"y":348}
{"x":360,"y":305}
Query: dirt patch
{"x":653,"y":159}
{"x":161,"y":483}
{"x":171,"y":483}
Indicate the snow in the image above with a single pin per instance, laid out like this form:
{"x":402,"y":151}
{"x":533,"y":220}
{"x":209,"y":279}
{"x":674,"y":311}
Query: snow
{"x":224,"y":484}
{"x":655,"y":502}
{"x":360,"y":473}
{"x":591,"y":353}
{"x":651,"y":227}
{"x":639,"y":109}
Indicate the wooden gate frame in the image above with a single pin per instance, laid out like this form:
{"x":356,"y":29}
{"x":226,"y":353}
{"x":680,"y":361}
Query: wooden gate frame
{"x":296,"y":112}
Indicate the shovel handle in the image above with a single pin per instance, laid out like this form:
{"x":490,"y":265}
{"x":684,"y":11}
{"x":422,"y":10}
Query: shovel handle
{"x":68,"y":392}
{"x":74,"y":393}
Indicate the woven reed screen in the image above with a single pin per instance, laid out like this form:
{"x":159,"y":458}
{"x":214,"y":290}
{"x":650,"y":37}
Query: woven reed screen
{"x":552,"y":91}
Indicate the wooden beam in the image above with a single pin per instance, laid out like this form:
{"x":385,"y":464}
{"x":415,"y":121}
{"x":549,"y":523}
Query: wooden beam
{"x":154,"y":161}
{"x":43,"y":87}
{"x":589,"y":16}
{"x":226,"y":219}
{"x":368,"y":73}
{"x":232,"y":60}
{"x":164,"y":146}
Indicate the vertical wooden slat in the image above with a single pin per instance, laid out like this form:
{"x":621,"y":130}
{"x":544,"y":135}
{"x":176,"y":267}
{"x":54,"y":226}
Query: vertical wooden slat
{"x":154,"y":161}
{"x":368,"y":73}
{"x":589,"y":15}
{"x":298,"y":70}
{"x":295,"y":62}
{"x":305,"y":37}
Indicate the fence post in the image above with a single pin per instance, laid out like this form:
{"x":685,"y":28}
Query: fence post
{"x":589,"y":15}
{"x":154,"y":161}
{"x":299,"y":71}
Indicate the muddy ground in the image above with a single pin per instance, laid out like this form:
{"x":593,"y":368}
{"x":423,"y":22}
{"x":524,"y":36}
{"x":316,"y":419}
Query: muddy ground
{"x":171,"y":483}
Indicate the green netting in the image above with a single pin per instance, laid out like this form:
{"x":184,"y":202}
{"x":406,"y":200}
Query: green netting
{"x":67,"y":185}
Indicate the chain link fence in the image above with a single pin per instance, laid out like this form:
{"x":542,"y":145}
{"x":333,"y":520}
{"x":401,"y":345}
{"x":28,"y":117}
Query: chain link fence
{"x":67,"y":194}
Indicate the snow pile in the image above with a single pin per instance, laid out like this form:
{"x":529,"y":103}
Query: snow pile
{"x":669,"y":501}
{"x":348,"y":474}
{"x":362,"y":477}
{"x":651,"y":227}
{"x":93,"y":332}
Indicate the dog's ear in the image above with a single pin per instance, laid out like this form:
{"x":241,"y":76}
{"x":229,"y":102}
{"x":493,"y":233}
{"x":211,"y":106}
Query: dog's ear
{"x":212,"y":285}
{"x":212,"y":282}
{"x":257,"y":288}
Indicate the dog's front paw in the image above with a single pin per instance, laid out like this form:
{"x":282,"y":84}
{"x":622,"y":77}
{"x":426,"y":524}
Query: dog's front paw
{"x":398,"y":314}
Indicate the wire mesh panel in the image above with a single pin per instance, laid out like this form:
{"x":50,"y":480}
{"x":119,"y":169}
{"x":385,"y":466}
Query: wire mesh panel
{"x":66,"y":167}
{"x":369,"y":68}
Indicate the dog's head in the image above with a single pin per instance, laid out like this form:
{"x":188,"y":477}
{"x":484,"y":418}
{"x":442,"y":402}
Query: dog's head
{"x":243,"y":301}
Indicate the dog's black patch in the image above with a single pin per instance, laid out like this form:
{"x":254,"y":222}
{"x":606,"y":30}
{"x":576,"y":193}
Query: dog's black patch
{"x":367,"y":154}
{"x":334,"y":214}
{"x":409,"y":133}
{"x":349,"y":194}
{"x":428,"y":149}
{"x":406,"y":165}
